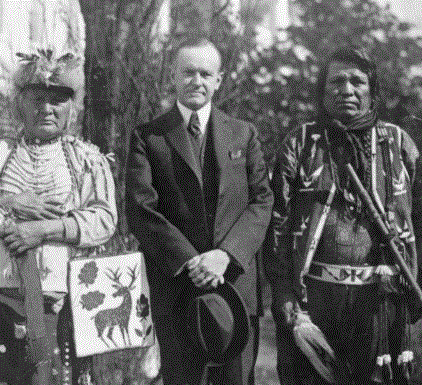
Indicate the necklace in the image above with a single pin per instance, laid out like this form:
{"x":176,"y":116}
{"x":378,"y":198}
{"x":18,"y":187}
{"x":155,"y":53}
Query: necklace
{"x":40,"y":142}
{"x":39,"y":168}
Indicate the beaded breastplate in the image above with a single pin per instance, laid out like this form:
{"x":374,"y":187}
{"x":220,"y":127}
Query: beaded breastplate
{"x":48,"y":171}
{"x":43,"y":169}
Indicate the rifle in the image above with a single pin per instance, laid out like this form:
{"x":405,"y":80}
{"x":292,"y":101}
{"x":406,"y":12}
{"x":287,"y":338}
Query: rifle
{"x":384,"y":229}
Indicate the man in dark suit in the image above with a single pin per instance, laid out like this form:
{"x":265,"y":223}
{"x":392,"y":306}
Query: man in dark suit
{"x":199,"y":203}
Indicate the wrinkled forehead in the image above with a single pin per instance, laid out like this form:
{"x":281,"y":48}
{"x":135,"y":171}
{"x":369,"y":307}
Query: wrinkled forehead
{"x":338,"y":69}
{"x":200,"y":57}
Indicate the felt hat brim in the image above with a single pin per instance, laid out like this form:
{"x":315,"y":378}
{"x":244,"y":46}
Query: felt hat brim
{"x":47,"y":70}
{"x":215,"y":322}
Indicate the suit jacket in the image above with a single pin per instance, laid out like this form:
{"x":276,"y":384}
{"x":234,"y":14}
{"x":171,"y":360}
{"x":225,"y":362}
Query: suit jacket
{"x":177,"y":211}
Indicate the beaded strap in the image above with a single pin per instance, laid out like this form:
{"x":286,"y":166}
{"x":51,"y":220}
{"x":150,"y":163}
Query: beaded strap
{"x":73,"y":174}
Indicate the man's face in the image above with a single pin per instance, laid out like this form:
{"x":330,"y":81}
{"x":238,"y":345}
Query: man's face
{"x":45,"y":112}
{"x":196,"y":75}
{"x":347,"y":91}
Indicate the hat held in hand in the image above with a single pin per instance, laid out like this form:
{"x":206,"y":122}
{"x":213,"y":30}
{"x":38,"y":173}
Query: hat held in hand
{"x":215,"y":321}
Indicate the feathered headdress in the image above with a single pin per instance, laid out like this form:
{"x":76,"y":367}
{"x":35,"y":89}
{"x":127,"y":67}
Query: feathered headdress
{"x":46,"y":69}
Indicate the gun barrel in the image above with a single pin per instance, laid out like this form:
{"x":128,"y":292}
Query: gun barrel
{"x":399,"y":258}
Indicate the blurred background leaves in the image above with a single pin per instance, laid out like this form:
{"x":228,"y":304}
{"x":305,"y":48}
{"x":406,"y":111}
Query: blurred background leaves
{"x":129,"y":46}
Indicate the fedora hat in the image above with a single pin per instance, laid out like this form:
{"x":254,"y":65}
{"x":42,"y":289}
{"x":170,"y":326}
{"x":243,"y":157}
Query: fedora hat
{"x":215,"y":323}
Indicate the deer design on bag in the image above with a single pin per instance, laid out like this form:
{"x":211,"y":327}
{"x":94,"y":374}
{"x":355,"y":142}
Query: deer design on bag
{"x":109,"y":318}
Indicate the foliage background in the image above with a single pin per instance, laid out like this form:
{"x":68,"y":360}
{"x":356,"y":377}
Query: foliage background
{"x":127,"y":63}
{"x":128,"y":58}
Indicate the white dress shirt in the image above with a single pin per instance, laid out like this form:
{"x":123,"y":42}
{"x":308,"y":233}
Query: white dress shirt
{"x":203,"y":115}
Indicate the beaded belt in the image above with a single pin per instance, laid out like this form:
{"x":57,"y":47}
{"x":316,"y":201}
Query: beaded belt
{"x":345,"y":274}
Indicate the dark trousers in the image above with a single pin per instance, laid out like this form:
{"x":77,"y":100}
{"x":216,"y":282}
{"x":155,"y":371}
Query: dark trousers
{"x":181,"y":365}
{"x":346,"y":316}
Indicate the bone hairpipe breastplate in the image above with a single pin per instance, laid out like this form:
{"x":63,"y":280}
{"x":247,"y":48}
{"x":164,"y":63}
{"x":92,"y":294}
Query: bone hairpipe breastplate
{"x":43,"y":169}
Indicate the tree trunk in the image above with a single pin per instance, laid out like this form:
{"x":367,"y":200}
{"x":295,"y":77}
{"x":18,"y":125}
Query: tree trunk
{"x":112,"y":107}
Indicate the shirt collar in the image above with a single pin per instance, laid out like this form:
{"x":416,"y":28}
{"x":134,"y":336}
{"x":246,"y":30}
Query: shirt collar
{"x":203,"y":115}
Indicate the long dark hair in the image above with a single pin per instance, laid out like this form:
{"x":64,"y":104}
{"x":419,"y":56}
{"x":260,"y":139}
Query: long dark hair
{"x":354,"y":55}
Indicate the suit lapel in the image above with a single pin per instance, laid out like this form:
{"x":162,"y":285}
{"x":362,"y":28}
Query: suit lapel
{"x":177,"y":136}
{"x":222,"y":140}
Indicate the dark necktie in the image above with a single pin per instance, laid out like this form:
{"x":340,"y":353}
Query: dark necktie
{"x":194,"y":127}
{"x":195,"y":131}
